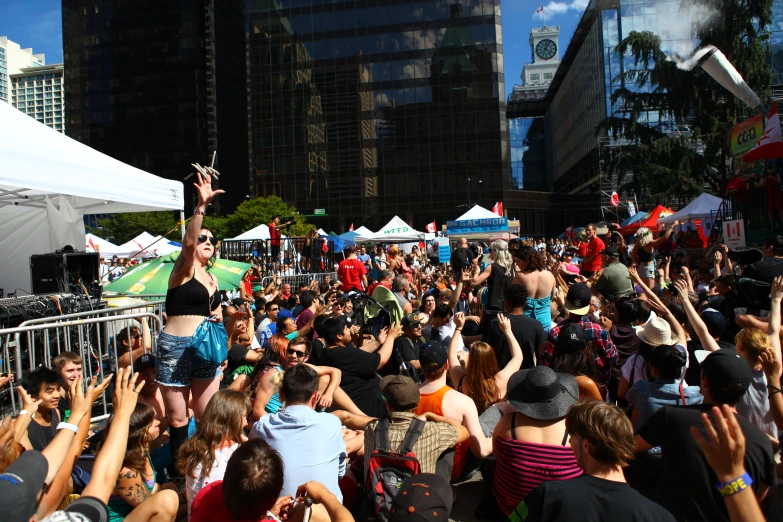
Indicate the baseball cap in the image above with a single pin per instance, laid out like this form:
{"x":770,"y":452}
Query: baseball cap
{"x":83,"y":509}
{"x":611,"y":251}
{"x":400,"y":391}
{"x":578,"y":299}
{"x":571,"y":338}
{"x":433,"y":356}
{"x":724,"y":367}
{"x":282,"y":314}
{"x":413,"y":319}
{"x":145,"y":361}
{"x":714,"y":320}
{"x":746,"y":256}
{"x":424,"y":497}
{"x":20,"y":484}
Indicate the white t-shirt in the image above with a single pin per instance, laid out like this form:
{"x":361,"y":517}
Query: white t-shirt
{"x":194,"y":485}
{"x":446,"y":332}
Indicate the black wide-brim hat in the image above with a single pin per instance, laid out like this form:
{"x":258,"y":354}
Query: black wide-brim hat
{"x":541,"y":393}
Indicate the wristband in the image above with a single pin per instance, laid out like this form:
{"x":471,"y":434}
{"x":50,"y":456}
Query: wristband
{"x":25,"y":412}
{"x":197,"y":212}
{"x":733,"y":487}
{"x":66,"y":426}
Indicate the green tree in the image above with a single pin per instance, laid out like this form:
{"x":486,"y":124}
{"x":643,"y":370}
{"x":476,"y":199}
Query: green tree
{"x":254,"y":212}
{"x":119,"y":228}
{"x":680,"y":160}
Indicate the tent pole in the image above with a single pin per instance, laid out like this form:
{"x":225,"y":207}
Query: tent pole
{"x":182,"y":223}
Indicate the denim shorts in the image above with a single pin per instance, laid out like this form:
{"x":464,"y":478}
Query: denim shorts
{"x":646,"y":270}
{"x":176,"y":365}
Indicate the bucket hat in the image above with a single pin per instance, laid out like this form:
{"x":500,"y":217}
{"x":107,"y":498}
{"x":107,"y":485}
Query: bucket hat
{"x":541,"y":393}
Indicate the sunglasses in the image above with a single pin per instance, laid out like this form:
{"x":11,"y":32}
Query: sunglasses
{"x":291,"y":351}
{"x":204,"y":237}
{"x":274,"y":309}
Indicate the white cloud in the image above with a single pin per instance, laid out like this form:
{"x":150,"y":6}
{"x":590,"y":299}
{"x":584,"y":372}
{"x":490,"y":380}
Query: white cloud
{"x":557,"y":8}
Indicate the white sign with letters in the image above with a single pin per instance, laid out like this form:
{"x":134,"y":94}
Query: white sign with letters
{"x":734,"y":233}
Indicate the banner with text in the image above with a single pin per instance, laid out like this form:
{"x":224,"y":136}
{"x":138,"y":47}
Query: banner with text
{"x":476,"y":226}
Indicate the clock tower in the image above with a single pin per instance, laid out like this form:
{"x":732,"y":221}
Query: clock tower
{"x":545,"y":48}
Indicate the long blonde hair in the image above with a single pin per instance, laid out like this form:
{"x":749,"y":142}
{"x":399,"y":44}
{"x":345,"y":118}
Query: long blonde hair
{"x":502,"y":256}
{"x":643,"y":236}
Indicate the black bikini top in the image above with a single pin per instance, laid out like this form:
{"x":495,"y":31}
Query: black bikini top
{"x":191,"y":298}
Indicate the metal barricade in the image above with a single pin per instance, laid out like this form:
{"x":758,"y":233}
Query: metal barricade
{"x":299,"y":279}
{"x":293,"y":253}
{"x":87,"y":333}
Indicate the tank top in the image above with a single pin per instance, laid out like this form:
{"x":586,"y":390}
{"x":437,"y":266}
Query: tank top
{"x":191,"y":298}
{"x":41,"y":436}
{"x":643,"y":256}
{"x":274,"y":403}
{"x":118,"y":508}
{"x":538,"y":309}
{"x":434,"y":402}
{"x":522,"y":466}
{"x":497,"y":283}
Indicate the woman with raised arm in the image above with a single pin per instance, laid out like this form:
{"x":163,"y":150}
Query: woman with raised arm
{"x":643,"y":253}
{"x":482,"y":381}
{"x":498,"y":276}
{"x":192,"y":297}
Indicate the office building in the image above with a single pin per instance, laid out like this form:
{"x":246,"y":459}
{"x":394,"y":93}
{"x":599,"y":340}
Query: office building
{"x":368,"y":109}
{"x":161,"y":84}
{"x":12,"y":60}
{"x":37,"y":91}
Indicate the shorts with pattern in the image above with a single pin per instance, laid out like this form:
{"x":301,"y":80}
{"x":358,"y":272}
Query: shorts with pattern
{"x":177,"y":365}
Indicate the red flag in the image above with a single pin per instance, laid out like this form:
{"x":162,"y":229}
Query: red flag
{"x":770,"y":145}
{"x":498,"y":208}
{"x":91,"y":244}
{"x":615,"y":199}
{"x":540,"y":10}
{"x":351,"y":229}
{"x":431,"y":227}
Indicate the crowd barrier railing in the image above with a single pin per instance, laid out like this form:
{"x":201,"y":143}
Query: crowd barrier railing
{"x":92,"y":334}
{"x":292,"y":253}
{"x":299,"y":279}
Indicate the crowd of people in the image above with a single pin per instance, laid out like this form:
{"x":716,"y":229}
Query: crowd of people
{"x":592,"y":381}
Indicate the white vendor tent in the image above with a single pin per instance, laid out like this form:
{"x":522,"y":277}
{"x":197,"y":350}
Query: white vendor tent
{"x":49,"y":181}
{"x":700,"y":208}
{"x":477,"y":212}
{"x":477,"y":223}
{"x":363,"y":231}
{"x":145,"y":245}
{"x":260,"y":232}
{"x":395,"y":231}
{"x":97,"y":244}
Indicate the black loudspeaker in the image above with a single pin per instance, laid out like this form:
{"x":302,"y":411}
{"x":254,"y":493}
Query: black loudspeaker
{"x":66,"y":272}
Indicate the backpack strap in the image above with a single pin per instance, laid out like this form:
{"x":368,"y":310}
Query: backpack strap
{"x":382,"y":435}
{"x":411,"y":436}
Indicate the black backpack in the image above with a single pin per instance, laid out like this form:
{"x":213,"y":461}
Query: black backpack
{"x":387,"y":470}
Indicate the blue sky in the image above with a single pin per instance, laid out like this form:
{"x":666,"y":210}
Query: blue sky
{"x":38,"y":24}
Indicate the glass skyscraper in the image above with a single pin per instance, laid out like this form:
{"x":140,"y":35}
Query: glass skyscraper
{"x":161,"y":84}
{"x":372,"y":108}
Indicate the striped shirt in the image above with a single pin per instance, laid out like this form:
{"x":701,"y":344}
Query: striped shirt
{"x":522,"y":466}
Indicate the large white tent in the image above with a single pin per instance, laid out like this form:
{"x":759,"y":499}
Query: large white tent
{"x":395,"y":231}
{"x":49,"y":181}
{"x":260,"y":232}
{"x":97,"y":244}
{"x":477,"y":223}
{"x":700,"y":208}
{"x":142,"y":246}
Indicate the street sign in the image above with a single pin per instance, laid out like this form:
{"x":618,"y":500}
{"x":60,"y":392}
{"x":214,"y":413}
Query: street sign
{"x":734,"y":233}
{"x":319,"y":212}
{"x":444,"y":250}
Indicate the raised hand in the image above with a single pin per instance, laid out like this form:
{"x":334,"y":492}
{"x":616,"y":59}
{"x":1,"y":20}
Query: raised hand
{"x":382,"y":335}
{"x":97,"y":391}
{"x":504,"y":323}
{"x":718,"y":257}
{"x":81,"y":401}
{"x":204,"y":188}
{"x":126,"y":392}
{"x":28,"y":403}
{"x":6,"y":379}
{"x":459,"y":319}
{"x":777,"y":289}
{"x":394,"y":331}
{"x":633,"y":275}
{"x":770,"y":363}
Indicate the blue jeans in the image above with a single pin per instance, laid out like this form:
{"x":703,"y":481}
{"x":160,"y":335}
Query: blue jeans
{"x":177,"y":365}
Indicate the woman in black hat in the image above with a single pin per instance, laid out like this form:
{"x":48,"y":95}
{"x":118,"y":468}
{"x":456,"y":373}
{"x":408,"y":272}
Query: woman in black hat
{"x":531,"y":443}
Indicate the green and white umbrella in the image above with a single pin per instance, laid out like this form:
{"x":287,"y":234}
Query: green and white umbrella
{"x":152,"y":277}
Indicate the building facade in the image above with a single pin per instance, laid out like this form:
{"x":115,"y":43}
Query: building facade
{"x":12,"y":60}
{"x":369,"y":109}
{"x":38,"y":92}
{"x":161,"y":84}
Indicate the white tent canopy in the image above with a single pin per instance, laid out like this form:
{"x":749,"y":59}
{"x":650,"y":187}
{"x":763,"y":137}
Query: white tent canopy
{"x":143,"y":246}
{"x":260,"y":232}
{"x":97,"y":244}
{"x":49,"y":181}
{"x":395,"y":231}
{"x":477,"y":212}
{"x":700,"y":208}
{"x":363,"y":231}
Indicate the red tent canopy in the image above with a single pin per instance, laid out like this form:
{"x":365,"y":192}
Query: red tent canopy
{"x":651,"y":221}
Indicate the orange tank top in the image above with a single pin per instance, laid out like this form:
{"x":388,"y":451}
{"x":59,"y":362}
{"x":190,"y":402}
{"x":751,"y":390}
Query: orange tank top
{"x":434,"y":402}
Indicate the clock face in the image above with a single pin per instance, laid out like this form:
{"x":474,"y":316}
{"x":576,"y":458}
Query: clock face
{"x":546,"y":49}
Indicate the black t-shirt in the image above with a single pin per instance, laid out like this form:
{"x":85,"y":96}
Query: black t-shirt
{"x":236,"y":357}
{"x":461,"y":258}
{"x":316,"y":352}
{"x":688,"y":482}
{"x":41,"y":436}
{"x":409,"y":351}
{"x":360,"y":380}
{"x":765,"y":270}
{"x":528,"y":332}
{"x":591,"y":499}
